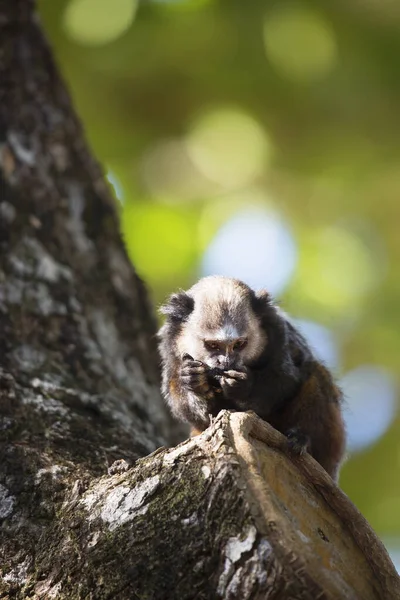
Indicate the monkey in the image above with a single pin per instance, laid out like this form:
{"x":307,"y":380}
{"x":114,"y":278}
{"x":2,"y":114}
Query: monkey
{"x":225,"y":346}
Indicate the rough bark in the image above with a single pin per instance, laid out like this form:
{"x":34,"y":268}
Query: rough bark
{"x":226,"y":514}
{"x":79,"y":386}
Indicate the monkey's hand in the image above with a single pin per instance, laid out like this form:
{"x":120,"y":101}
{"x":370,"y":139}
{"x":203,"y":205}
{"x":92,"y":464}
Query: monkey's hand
{"x":194,"y":377}
{"x":236,"y":385}
{"x":298,"y":442}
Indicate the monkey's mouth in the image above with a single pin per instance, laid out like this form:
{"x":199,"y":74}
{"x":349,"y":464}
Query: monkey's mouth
{"x":214,"y":376}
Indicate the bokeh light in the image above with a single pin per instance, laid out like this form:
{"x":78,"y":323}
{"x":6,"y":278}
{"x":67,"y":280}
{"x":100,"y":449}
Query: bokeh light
{"x":299,"y":43}
{"x":216,"y":213}
{"x":182,"y":5}
{"x":337,"y":268}
{"x":116,"y":186}
{"x":168,"y":172}
{"x":98,"y":22}
{"x":158,"y":239}
{"x":393,"y":547}
{"x":228,"y":146}
{"x":256,"y":246}
{"x":370,"y":404}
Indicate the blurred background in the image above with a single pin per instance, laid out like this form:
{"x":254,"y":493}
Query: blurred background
{"x":262,"y":140}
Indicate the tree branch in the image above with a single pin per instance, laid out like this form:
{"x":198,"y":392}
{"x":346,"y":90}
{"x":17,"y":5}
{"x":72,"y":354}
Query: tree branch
{"x":227,"y":514}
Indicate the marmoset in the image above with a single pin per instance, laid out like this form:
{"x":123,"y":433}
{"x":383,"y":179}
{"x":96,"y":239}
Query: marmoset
{"x":225,"y":346}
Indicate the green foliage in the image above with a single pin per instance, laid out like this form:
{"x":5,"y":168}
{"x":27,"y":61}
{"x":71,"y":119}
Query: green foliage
{"x":200,"y":107}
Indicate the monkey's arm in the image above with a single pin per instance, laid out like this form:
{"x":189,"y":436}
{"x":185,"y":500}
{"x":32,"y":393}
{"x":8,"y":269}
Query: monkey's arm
{"x":312,"y":420}
{"x":237,"y":385}
{"x":261,"y":390}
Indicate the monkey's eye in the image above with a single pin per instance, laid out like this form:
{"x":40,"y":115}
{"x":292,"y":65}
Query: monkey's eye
{"x":240,"y":344}
{"x":210,"y":345}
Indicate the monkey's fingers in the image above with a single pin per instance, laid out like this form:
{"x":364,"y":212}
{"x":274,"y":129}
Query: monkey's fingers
{"x":194,"y":368}
{"x":235,"y":389}
{"x":237,"y":375}
{"x":193,"y":364}
{"x":298,"y":442}
{"x":231,"y":388}
{"x":227,"y":383}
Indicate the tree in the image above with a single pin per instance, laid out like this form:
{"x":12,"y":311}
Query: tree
{"x":85,"y":510}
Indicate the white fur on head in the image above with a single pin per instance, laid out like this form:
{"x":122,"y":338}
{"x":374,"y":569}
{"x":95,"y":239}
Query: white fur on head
{"x":222,"y":311}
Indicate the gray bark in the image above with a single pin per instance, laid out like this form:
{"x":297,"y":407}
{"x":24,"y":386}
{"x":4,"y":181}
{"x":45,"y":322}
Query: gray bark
{"x":84,"y":513}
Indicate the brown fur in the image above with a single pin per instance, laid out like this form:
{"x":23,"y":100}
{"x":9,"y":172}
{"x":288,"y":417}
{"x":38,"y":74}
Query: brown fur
{"x":194,"y":432}
{"x":316,"y":412}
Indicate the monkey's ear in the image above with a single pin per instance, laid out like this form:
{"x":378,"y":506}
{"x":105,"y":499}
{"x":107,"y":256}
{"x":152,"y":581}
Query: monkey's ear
{"x":178,"y":307}
{"x":262,"y":300}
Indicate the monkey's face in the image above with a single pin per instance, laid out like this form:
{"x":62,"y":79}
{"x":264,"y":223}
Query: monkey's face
{"x":229,"y":346}
{"x":225,"y":353}
{"x":215,"y":322}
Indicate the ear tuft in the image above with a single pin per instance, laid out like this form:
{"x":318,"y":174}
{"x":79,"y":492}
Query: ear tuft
{"x":262,"y":300}
{"x":178,"y":307}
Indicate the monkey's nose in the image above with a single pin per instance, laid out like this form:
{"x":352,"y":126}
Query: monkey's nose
{"x":221,"y":360}
{"x":225,"y":362}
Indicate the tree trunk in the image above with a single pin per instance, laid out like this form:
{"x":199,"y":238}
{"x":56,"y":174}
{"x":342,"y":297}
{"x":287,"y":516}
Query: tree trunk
{"x":225,"y":515}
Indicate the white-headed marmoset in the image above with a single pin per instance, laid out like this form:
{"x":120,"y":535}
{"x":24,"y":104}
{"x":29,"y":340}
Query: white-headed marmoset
{"x":225,"y":346}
